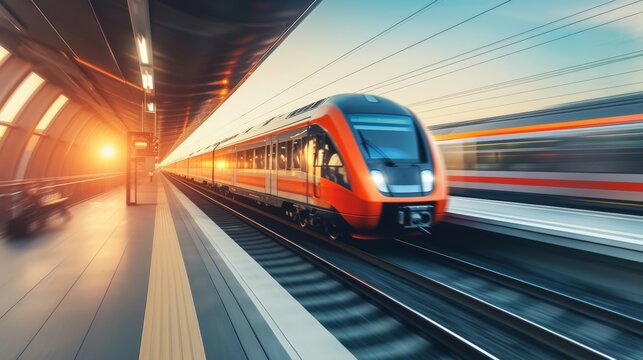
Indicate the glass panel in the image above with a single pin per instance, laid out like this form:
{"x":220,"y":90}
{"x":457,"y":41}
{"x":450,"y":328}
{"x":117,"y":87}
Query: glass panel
{"x":20,"y":97}
{"x":608,"y":149}
{"x":4,"y":55}
{"x":283,"y":159}
{"x":240,"y":163}
{"x":268,"y":157}
{"x":296,"y":154}
{"x":26,"y":155}
{"x":332,"y":167}
{"x":386,"y":136}
{"x":250,"y":155}
{"x":288,"y":155}
{"x":51,"y":113}
{"x":259,"y":156}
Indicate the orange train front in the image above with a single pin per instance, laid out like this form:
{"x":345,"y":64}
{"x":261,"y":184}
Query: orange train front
{"x":353,"y":164}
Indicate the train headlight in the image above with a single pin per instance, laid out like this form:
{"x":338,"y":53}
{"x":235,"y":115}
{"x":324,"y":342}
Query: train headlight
{"x":427,"y":180}
{"x":379,"y":180}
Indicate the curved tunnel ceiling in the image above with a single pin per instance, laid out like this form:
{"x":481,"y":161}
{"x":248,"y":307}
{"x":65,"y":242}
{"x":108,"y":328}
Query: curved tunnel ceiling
{"x":202,"y":51}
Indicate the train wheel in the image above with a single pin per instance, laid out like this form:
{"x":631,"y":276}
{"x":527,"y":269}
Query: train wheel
{"x":302,"y":220}
{"x":334,"y":231}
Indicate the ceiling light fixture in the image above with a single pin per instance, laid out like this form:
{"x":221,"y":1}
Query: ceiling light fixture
{"x":148,"y":81}
{"x":142,"y":50}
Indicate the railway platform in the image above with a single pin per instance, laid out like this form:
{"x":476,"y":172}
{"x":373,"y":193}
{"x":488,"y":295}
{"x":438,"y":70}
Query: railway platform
{"x":605,"y":233}
{"x":158,"y":280}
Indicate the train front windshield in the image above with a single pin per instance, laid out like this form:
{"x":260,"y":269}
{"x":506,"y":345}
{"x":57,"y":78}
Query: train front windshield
{"x":391,"y":137}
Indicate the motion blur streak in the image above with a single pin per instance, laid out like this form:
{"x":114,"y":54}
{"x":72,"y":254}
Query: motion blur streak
{"x":576,"y":153}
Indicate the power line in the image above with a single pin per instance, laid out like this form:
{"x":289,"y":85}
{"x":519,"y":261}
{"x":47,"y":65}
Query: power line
{"x":519,"y":50}
{"x":538,"y":99}
{"x":375,"y":86}
{"x":368,"y":41}
{"x":533,"y":90}
{"x":389,"y":56}
{"x":337,"y":59}
{"x":533,"y":78}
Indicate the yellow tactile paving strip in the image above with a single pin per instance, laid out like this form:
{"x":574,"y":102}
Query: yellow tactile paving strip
{"x":171,"y":328}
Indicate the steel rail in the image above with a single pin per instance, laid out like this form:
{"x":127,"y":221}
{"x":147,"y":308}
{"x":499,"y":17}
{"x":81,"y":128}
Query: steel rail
{"x":554,"y":340}
{"x":615,"y":318}
{"x":428,"y":326}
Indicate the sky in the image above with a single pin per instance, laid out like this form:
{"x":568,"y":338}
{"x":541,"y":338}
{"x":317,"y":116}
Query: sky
{"x":447,"y":61}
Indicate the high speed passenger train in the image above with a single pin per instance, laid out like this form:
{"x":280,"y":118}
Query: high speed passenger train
{"x":353,"y":164}
{"x":587,"y":154}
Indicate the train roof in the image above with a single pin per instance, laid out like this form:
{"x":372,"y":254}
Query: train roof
{"x":618,"y":105}
{"x":350,"y":103}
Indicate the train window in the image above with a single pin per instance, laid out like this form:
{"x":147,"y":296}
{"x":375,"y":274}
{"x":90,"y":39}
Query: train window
{"x":273,"y":156}
{"x":309,"y":154}
{"x":329,"y":161}
{"x":267,"y":157}
{"x":283,"y":156}
{"x":296,"y":154}
{"x":250,"y":155}
{"x":387,"y":136}
{"x":289,"y":155}
{"x":599,"y":150}
{"x":259,"y":158}
{"x":240,"y":158}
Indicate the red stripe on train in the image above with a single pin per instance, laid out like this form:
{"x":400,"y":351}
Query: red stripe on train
{"x":579,"y":184}
{"x":258,"y":181}
{"x":294,"y":186}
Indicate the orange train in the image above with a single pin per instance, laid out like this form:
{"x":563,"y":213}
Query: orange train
{"x":586,"y":154}
{"x":353,"y":164}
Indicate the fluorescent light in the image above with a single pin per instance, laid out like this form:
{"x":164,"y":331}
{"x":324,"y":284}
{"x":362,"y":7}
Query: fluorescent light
{"x":148,"y":82}
{"x":150,"y":106}
{"x":142,"y":50}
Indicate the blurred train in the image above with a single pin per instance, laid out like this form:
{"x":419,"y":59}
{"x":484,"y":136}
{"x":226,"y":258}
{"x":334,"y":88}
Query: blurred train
{"x":587,"y":154}
{"x":356,"y":165}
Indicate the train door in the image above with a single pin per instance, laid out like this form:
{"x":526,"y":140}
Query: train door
{"x":319,"y":158}
{"x":313,"y":162}
{"x":273,"y":166}
{"x":268,"y":165}
{"x":234,"y":166}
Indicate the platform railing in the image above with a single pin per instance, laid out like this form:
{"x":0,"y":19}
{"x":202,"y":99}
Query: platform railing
{"x":74,"y":188}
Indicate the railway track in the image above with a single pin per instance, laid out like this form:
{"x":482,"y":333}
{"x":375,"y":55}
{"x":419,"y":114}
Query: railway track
{"x":495,"y":320}
{"x":290,"y":271}
{"x":613,"y":317}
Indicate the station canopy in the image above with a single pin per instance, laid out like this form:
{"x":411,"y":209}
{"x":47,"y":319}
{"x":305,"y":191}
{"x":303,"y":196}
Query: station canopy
{"x":202,"y":51}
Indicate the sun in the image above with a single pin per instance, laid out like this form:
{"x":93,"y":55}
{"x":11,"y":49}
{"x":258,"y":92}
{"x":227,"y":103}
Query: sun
{"x":107,"y":151}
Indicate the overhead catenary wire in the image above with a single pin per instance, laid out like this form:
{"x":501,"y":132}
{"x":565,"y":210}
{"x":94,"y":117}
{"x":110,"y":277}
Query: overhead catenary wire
{"x":408,"y":47}
{"x":513,"y":52}
{"x":347,"y":53}
{"x":535,"y":90}
{"x":538,"y":99}
{"x":532,"y":78}
{"x":376,"y":86}
{"x":470,"y":92}
{"x":373,"y":38}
